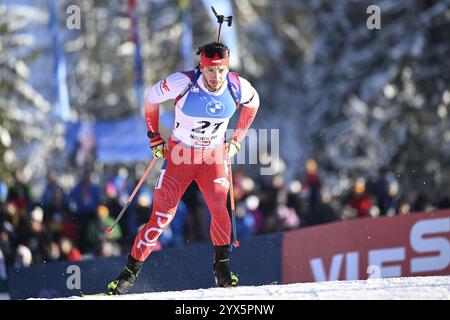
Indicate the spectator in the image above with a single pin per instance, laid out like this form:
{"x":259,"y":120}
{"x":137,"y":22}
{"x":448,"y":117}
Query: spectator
{"x":122,"y":185}
{"x":359,"y":199}
{"x":112,"y":199}
{"x":17,"y":206}
{"x":252,"y":205}
{"x":243,"y":184}
{"x":390,"y":201}
{"x":19,"y":224}
{"x":53,"y":199}
{"x":84,"y":153}
{"x":347,"y":213}
{"x":245,"y":221}
{"x":6,"y":243}
{"x":69,"y":251}
{"x":422,"y":203}
{"x":284,"y":218}
{"x":143,"y":206}
{"x":62,"y":226}
{"x":127,"y":225}
{"x":294,"y":200}
{"x":3,"y":200}
{"x":311,"y":185}
{"x":3,"y":192}
{"x":110,"y":249}
{"x":288,"y":217}
{"x":24,"y":258}
{"x":323,"y":211}
{"x":270,"y":194}
{"x":85,"y":198}
{"x":3,"y":275}
{"x":443,"y":201}
{"x":38,"y":238}
{"x":19,"y":194}
{"x":404,"y":207}
{"x":97,"y":230}
{"x":52,"y":252}
{"x":379,"y":189}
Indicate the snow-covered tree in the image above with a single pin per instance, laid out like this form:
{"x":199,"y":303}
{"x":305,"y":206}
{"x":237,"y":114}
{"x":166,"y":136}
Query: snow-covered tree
{"x":29,"y":133}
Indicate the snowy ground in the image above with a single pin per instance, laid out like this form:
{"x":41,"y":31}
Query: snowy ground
{"x":436,"y":288}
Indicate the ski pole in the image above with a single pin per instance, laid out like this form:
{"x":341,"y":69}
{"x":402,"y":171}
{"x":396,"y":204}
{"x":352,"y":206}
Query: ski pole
{"x":233,"y":209}
{"x":130,"y":198}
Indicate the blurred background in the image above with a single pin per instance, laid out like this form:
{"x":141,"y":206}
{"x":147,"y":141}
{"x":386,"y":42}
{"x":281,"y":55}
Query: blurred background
{"x":362,"y":116}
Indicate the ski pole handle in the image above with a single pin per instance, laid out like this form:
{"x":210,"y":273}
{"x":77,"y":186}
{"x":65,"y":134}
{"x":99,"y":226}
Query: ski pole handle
{"x":130,"y":198}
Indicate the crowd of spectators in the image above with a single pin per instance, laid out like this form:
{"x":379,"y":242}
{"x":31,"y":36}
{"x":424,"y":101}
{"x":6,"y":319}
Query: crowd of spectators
{"x":71,"y":224}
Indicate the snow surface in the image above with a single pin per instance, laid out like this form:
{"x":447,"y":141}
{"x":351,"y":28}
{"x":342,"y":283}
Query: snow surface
{"x":403,"y":288}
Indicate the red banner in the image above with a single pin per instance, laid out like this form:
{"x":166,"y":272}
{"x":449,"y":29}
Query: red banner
{"x":410,"y":245}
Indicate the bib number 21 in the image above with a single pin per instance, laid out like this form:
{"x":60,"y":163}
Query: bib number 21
{"x":203,"y":125}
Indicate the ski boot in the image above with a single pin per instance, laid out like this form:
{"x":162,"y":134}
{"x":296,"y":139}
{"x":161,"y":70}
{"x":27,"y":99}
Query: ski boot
{"x":126,"y":279}
{"x":221,"y":267}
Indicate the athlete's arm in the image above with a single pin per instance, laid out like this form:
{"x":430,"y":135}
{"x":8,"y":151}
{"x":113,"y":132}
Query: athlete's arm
{"x":166,"y":89}
{"x":250,"y":105}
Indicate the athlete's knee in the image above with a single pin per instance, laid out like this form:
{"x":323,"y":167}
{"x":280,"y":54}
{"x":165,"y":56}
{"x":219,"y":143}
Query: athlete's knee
{"x":165,"y":202}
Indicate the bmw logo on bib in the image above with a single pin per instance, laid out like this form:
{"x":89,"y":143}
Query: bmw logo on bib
{"x":215,"y":108}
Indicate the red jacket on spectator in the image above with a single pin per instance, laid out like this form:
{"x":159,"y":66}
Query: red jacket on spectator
{"x":360,"y":200}
{"x":361,"y":203}
{"x":74,"y":255}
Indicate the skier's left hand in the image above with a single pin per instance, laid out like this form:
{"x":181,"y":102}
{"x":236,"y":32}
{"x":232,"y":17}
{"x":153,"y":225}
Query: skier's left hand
{"x":232,"y":148}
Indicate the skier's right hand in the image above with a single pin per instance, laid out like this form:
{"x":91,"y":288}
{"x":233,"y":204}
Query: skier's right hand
{"x":232,"y":148}
{"x":160,"y":151}
{"x":158,"y":145}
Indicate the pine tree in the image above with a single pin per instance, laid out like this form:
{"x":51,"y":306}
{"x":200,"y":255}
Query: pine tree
{"x":28,"y":132}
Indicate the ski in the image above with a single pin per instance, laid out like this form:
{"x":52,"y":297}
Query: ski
{"x":99,"y":295}
{"x":94,"y":295}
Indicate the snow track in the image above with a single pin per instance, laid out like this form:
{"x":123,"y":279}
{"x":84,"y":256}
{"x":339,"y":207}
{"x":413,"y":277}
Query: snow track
{"x":405,"y":288}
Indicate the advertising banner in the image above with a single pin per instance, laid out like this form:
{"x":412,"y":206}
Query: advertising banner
{"x":410,"y":245}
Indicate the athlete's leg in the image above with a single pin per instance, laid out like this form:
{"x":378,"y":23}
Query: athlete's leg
{"x":213,"y":182}
{"x":172,"y":183}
